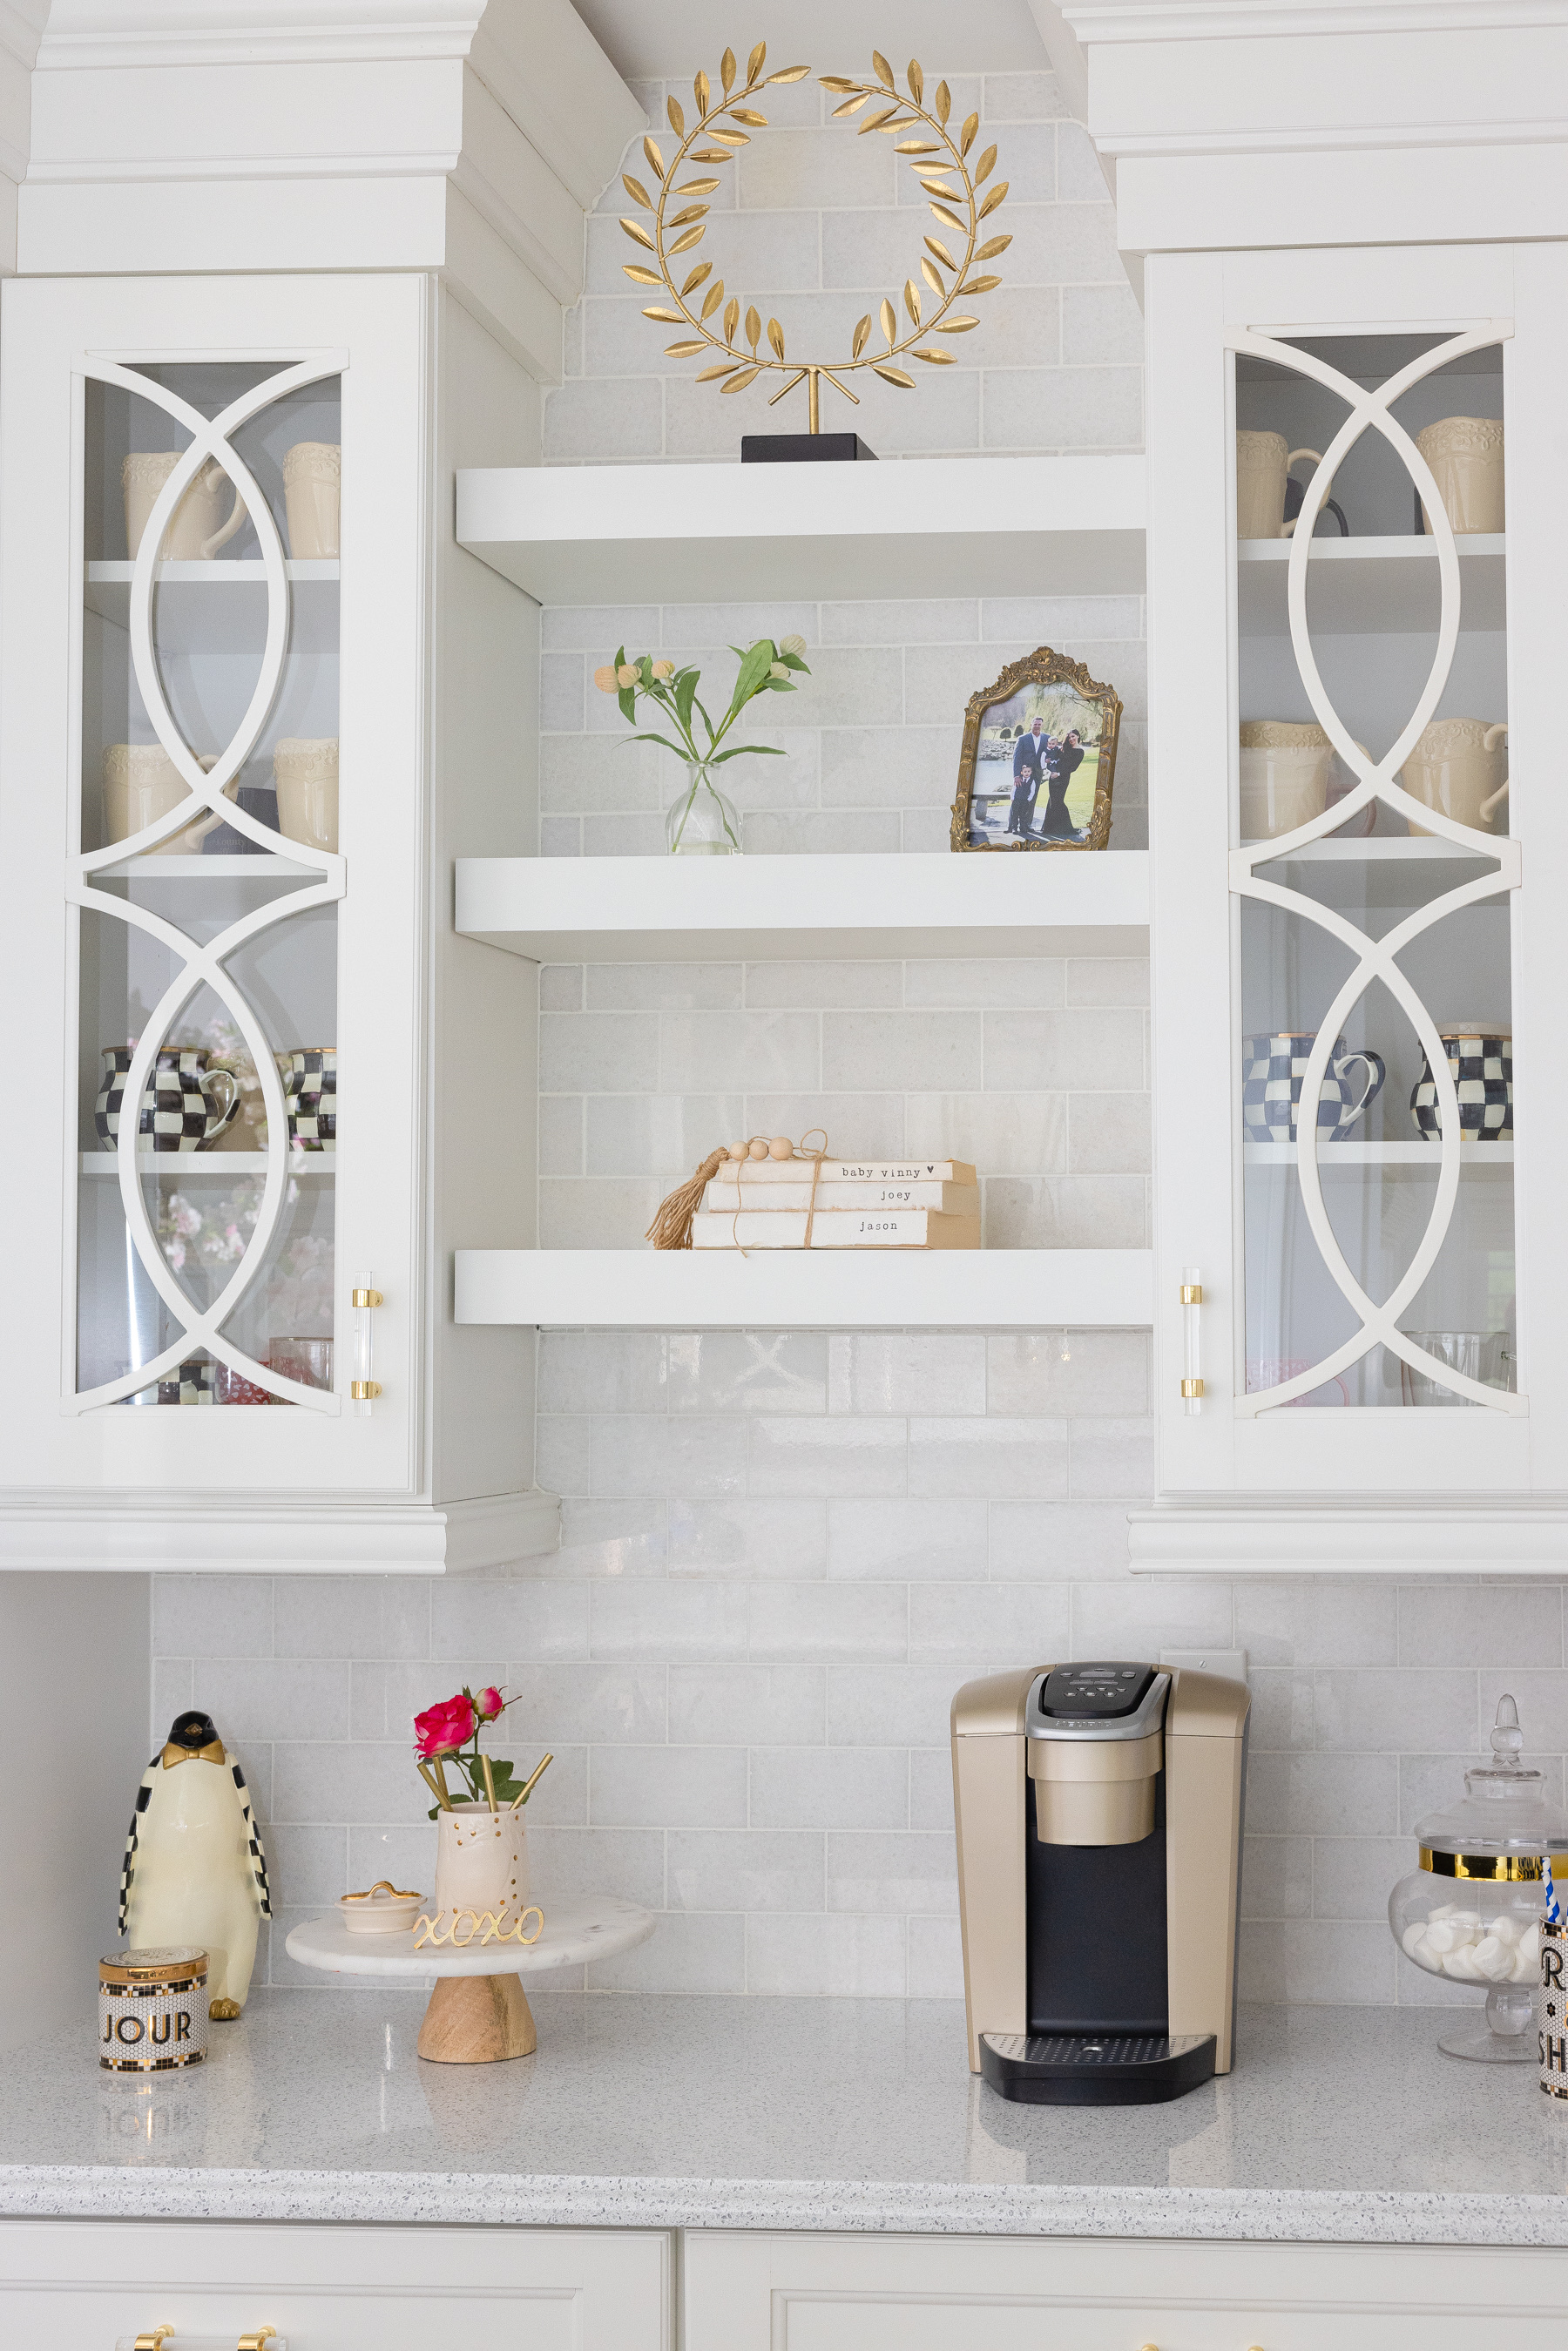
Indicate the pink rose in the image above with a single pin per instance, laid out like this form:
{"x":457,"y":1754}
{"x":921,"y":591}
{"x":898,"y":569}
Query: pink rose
{"x":489,"y":1703}
{"x":441,"y":1729}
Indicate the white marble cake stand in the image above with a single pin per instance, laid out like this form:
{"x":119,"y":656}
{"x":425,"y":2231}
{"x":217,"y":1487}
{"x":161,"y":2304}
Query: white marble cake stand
{"x":478,"y":2011}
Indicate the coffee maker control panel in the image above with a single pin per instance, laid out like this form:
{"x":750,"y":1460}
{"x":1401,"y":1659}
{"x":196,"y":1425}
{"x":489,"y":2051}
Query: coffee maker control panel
{"x":1100,"y":1699}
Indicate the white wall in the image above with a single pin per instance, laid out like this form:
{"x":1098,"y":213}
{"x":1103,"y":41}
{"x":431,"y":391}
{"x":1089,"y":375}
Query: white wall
{"x":74,"y":1678}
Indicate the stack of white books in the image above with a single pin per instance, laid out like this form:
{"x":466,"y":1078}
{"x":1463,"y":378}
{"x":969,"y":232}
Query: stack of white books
{"x":857,"y":1204}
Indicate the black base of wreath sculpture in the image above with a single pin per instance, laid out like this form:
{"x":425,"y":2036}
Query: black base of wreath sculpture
{"x":802,"y":448}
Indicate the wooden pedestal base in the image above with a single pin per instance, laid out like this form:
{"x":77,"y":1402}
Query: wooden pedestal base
{"x":475,"y":2020}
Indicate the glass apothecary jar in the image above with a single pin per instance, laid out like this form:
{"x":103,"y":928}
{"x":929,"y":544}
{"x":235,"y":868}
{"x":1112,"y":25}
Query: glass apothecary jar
{"x":1471,"y":1912}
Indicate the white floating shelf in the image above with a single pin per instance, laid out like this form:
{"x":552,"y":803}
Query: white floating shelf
{"x":771,"y":909}
{"x":1376,"y":587}
{"x":716,"y":534}
{"x":1339,"y":1156}
{"x":260,"y":868}
{"x":854,"y":1289}
{"x":215,"y":1165}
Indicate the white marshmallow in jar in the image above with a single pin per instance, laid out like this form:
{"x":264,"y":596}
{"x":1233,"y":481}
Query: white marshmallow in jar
{"x":153,"y":2009}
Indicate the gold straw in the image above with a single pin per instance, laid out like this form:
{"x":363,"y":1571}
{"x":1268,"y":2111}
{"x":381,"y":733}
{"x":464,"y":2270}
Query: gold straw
{"x":428,"y":1776}
{"x":489,"y":1782}
{"x":532,"y":1783}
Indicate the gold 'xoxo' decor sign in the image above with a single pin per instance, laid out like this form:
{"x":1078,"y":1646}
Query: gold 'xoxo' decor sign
{"x":938,"y":158}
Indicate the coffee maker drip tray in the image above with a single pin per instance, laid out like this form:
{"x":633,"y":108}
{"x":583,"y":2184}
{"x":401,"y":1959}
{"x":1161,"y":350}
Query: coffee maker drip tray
{"x":1095,"y":2069}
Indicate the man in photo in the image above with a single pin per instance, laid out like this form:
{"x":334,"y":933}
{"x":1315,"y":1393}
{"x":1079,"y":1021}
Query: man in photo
{"x":1062,"y":760}
{"x":1028,"y":772}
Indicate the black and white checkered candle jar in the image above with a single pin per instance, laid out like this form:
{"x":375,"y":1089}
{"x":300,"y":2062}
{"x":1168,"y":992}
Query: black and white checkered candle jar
{"x":152,"y":2010}
{"x":183,"y":1103}
{"x":1481,"y":1062}
{"x":310,"y":1074}
{"x":1550,"y":2012}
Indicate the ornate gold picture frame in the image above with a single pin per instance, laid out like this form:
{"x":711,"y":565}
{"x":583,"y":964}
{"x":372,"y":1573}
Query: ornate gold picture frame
{"x":1038,"y":758}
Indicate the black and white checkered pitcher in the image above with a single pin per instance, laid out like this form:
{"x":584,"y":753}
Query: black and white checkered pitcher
{"x":1271,"y":1074}
{"x":310,"y":1074}
{"x":1480,"y":1061}
{"x":183,"y":1103}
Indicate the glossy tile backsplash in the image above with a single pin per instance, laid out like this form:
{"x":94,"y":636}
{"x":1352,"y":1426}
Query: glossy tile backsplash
{"x":1035,"y":1070}
{"x":783,"y":1552}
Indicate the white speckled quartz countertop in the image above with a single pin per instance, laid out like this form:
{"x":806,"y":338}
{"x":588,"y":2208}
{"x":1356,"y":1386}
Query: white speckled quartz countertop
{"x":1338,"y":2123}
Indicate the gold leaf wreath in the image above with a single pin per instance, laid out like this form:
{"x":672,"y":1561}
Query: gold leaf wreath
{"x":680,"y":223}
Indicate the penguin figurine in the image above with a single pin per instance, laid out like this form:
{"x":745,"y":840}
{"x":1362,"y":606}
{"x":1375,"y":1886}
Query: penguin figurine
{"x":194,"y":1870}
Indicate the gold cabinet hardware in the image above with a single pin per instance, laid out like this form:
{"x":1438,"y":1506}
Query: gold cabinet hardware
{"x":366,"y":1298}
{"x":253,"y":2341}
{"x":154,"y":2338}
{"x":1192,"y":1293}
{"x":362,"y":1390}
{"x":1192,"y":1387}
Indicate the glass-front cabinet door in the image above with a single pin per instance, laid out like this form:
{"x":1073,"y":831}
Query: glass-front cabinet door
{"x":1358,"y":929}
{"x":214,"y":556}
{"x":207,"y":886}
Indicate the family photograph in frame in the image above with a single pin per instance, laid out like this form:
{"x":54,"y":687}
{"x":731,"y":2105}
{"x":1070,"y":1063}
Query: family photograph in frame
{"x":1038,"y":758}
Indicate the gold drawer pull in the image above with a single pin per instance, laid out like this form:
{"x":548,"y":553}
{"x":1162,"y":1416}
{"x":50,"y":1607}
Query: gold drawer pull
{"x":253,"y":2341}
{"x":154,"y":2338}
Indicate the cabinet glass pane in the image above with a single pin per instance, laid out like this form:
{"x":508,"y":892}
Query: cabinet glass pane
{"x":208,"y":878}
{"x":1373,"y":1048}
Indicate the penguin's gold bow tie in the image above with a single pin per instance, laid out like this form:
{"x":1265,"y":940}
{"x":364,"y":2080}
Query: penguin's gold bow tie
{"x":212,"y":1753}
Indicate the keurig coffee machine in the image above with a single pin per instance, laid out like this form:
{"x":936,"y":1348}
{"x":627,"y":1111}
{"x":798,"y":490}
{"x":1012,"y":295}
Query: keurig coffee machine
{"x":1099,"y":1815}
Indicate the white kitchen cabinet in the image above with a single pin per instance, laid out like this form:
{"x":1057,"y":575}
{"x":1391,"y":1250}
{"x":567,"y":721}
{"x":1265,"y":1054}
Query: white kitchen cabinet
{"x":1375,"y":1371}
{"x":82,"y":2285}
{"x":807,"y":2293}
{"x":157,"y":1296}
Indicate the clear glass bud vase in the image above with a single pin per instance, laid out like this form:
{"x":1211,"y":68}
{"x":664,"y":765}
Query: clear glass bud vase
{"x":701,"y":823}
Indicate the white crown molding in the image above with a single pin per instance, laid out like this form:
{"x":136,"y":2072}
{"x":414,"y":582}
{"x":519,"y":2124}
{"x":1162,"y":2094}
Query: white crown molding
{"x":1094,"y":21}
{"x":259,"y":1535}
{"x":1371,"y":136}
{"x":1375,"y":1538}
{"x":80,"y":35}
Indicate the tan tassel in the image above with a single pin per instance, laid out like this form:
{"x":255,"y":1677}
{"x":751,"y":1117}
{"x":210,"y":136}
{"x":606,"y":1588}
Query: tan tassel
{"x":672,"y":1227}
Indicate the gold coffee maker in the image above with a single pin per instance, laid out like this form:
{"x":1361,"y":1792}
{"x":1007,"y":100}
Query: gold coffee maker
{"x":1098,"y":1812}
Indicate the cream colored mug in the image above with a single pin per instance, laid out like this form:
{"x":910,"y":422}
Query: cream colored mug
{"x":142,"y":783}
{"x":311,"y":472}
{"x":1286,"y":768}
{"x":1263,"y":460}
{"x":1457,"y":768}
{"x":1464,"y":454}
{"x":306,"y":773}
{"x":196,"y":532}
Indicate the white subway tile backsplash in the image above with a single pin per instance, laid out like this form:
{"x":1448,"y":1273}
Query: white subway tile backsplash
{"x":841,"y":1454}
{"x":212,"y":1616}
{"x":935,"y":1961}
{"x":989,"y":1456}
{"x":904,"y":1874}
{"x":273,"y":1697}
{"x":894,"y":1706}
{"x":602,"y":1371}
{"x":1381,"y":1713}
{"x":838,"y":1955}
{"x":830,"y":1621}
{"x":1005,"y":1623}
{"x":643,"y":1787}
{"x":749,"y":1371}
{"x":751,"y":1706}
{"x":688,"y":1954}
{"x":746,"y":1869}
{"x":1497,"y":1625}
{"x":900,"y":1540}
{"x":783,"y":1535}
{"x":827,"y":1787}
{"x":907,"y":1370}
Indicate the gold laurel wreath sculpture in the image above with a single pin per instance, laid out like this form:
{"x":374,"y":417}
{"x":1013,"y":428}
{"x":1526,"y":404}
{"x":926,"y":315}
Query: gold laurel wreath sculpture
{"x":952,"y":188}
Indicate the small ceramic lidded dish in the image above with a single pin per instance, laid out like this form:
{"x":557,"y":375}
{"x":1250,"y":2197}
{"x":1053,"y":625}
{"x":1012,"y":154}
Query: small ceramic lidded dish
{"x":1471,"y":1913}
{"x":382,"y":1909}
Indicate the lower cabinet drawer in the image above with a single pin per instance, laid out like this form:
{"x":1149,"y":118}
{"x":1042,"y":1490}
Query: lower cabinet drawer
{"x":82,"y":2286}
{"x":806,"y":2293}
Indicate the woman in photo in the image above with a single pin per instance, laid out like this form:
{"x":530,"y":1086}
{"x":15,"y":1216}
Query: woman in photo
{"x":1063,"y":758}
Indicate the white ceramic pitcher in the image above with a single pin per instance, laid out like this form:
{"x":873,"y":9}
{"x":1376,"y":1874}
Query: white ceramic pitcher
{"x":195,"y":531}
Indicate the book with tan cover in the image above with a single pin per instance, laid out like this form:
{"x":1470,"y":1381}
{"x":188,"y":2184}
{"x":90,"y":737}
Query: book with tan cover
{"x":764,"y":1228}
{"x":750,"y":1172}
{"x":952,"y":1199}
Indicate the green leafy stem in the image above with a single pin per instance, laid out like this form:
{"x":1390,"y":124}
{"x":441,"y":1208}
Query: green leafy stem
{"x":765,"y":668}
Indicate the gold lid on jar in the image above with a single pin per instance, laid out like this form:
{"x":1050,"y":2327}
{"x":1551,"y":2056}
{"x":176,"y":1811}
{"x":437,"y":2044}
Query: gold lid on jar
{"x":1518,"y":1868}
{"x":174,"y":1964}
